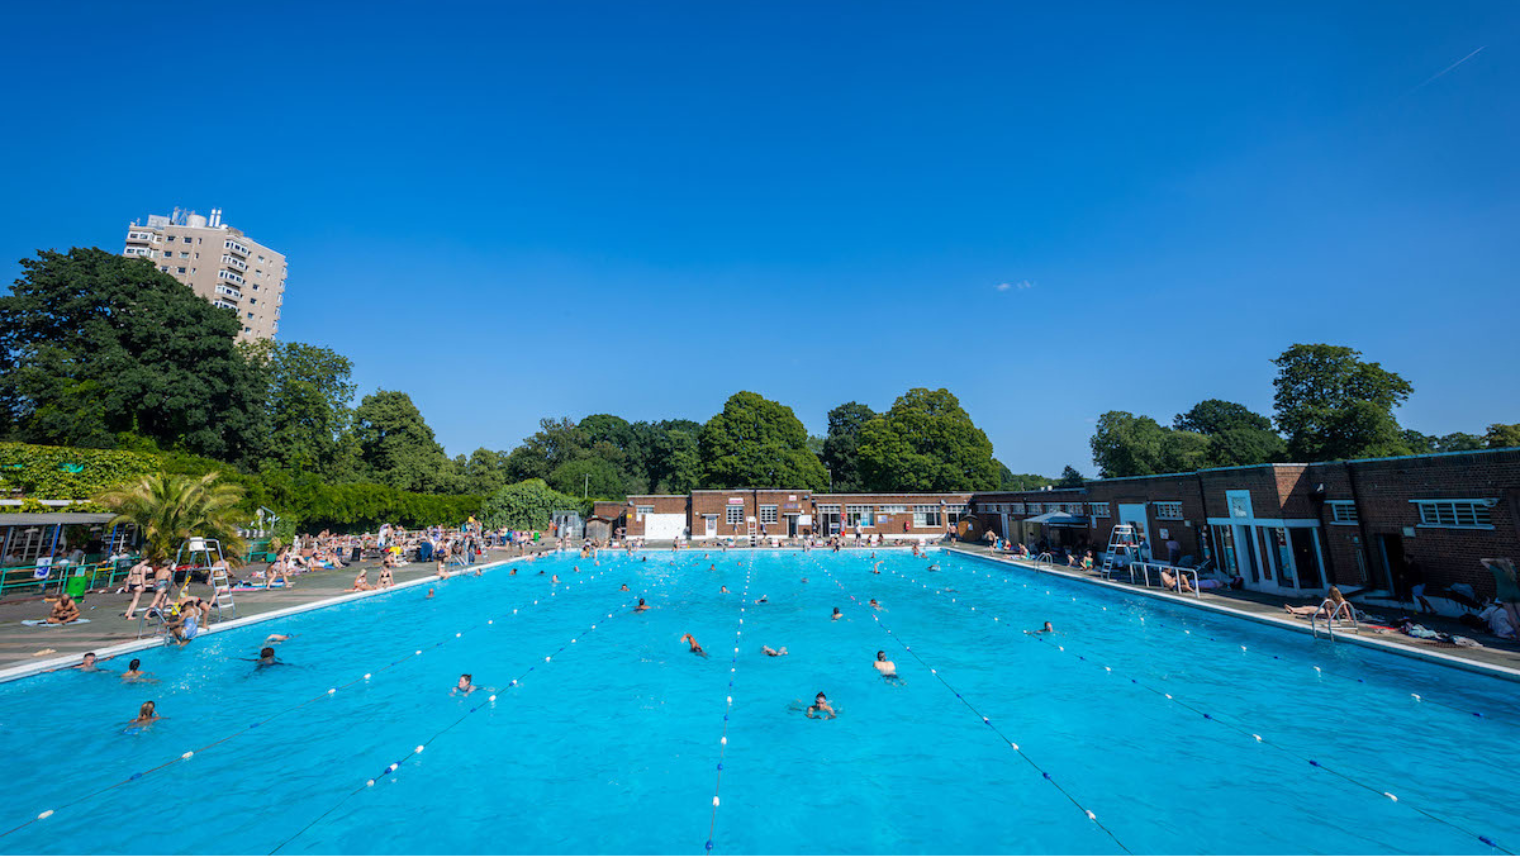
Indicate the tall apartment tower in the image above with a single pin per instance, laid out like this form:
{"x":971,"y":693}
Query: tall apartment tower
{"x":219,"y":262}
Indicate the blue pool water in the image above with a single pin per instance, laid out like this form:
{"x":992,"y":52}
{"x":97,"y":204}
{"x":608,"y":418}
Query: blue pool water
{"x":613,"y":744}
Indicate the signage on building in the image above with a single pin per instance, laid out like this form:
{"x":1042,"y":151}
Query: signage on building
{"x":791,"y":505}
{"x":791,"y":497}
{"x":736,"y":500}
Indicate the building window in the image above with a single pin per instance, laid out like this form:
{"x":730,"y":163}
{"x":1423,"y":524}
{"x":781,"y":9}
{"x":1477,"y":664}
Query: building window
{"x":181,"y":270}
{"x":735,"y":515}
{"x":894,"y":509}
{"x":250,"y":316}
{"x":1456,"y":513}
{"x":1343,"y":512}
{"x":1168,"y":511}
{"x":858,"y":515}
{"x":768,"y":514}
{"x":925,"y":515}
{"x":164,"y":268}
{"x":1098,"y":509}
{"x":954,"y":513}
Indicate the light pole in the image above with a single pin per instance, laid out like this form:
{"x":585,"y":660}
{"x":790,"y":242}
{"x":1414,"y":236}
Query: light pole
{"x":586,"y":488}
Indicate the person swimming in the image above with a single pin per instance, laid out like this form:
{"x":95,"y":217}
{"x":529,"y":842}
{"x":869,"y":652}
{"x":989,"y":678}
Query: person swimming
{"x":837,"y":615}
{"x":934,"y":567}
{"x":135,"y":674}
{"x":819,"y":707}
{"x":1048,"y":628}
{"x":762,"y":599}
{"x":554,"y":579}
{"x":773,"y":652}
{"x":642,"y":606}
{"x":430,"y":594}
{"x":874,"y":604}
{"x":146,"y":716}
{"x":276,"y":638}
{"x":87,"y":664}
{"x":887,"y":668}
{"x":876,"y":568}
{"x":266,"y":659}
{"x":624,"y":588}
{"x":695,"y":648}
{"x":723,"y":590}
{"x":465,"y":686}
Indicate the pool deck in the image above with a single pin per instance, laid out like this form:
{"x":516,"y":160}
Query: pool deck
{"x":1498,"y":657}
{"x":27,"y":650}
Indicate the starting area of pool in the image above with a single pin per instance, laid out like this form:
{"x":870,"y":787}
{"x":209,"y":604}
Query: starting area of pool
{"x":1136,"y":726}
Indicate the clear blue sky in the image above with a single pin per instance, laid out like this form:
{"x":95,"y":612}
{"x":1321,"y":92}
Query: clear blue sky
{"x":519,"y":210}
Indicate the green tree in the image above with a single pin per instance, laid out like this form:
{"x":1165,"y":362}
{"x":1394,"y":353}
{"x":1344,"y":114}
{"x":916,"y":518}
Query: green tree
{"x":681,"y":467}
{"x":1239,"y":447}
{"x":167,"y":509}
{"x":485,"y":472}
{"x":1332,"y":405}
{"x":841,"y":446}
{"x":1459,"y":441}
{"x":397,"y":448}
{"x":1071,"y":477}
{"x":95,"y":345}
{"x":1501,"y":436}
{"x":1184,"y":452}
{"x":557,"y":441}
{"x":926,"y":442}
{"x":1214,"y":416}
{"x":1009,"y":480}
{"x":1128,"y":445}
{"x":307,"y":393}
{"x":591,"y":477}
{"x":755,"y":442}
{"x":527,"y":505}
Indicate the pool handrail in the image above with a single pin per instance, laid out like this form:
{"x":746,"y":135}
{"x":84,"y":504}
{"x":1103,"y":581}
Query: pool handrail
{"x":1331,"y":609}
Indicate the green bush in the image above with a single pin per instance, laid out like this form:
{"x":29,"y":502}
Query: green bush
{"x":64,"y":472}
{"x":527,"y":505}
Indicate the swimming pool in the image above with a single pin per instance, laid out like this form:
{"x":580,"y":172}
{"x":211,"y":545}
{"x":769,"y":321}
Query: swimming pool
{"x":1142,"y":712}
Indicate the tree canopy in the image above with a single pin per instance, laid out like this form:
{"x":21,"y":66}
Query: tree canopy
{"x":756,"y":442}
{"x":397,"y":448}
{"x":1332,"y":405}
{"x":841,"y":446}
{"x":926,"y":442}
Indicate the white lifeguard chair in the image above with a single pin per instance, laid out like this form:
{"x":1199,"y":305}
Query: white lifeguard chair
{"x":1123,"y":550}
{"x":754,"y":537}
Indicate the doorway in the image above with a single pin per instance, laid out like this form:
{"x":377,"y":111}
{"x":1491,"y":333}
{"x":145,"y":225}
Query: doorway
{"x":1391,"y":548}
{"x":791,"y":526}
{"x":711,"y":523}
{"x":1306,"y":557}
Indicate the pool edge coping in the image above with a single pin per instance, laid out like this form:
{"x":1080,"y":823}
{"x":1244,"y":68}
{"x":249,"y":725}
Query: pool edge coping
{"x":27,"y":670}
{"x":1495,"y":671}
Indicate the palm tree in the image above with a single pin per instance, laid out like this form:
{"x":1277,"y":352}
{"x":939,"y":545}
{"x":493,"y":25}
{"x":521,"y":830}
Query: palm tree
{"x":167,"y":509}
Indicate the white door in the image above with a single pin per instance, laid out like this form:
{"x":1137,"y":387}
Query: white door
{"x":712,"y":525}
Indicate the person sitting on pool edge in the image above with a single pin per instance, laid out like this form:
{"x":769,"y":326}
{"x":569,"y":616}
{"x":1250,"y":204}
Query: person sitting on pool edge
{"x":465,"y":686}
{"x":819,"y":707}
{"x":837,"y":615}
{"x":887,"y":668}
{"x":695,"y":648}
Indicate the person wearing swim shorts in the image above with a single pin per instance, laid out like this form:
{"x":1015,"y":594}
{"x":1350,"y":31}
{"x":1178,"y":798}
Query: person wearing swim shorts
{"x":695,"y":648}
{"x":773,"y":652}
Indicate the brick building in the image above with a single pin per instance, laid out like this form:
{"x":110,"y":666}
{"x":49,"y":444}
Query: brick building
{"x":1297,"y":528}
{"x":786,"y":513}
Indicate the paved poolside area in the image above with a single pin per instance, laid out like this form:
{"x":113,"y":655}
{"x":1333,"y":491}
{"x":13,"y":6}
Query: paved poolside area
{"x":1269,"y":607}
{"x":20,"y":644}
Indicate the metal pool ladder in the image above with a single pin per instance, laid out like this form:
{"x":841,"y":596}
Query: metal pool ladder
{"x":1332,"y":610}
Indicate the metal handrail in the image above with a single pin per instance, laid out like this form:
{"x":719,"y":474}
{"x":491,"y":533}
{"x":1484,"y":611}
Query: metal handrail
{"x":1331,"y":609}
{"x":1047,"y":558}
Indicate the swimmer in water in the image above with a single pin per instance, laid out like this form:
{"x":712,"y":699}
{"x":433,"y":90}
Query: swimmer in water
{"x":820,"y":707}
{"x":723,"y":590}
{"x":88,"y":664}
{"x":134,"y":674}
{"x":804,"y":579}
{"x":642,"y":606}
{"x":934,"y":567}
{"x":624,"y":588}
{"x":430,"y":594}
{"x":762,"y":599}
{"x":513,"y":573}
{"x":876,"y":568}
{"x":275,"y":639}
{"x":554,"y":579}
{"x":266,"y":659}
{"x":1046,"y":629}
{"x":887,"y":668}
{"x":773,"y":652}
{"x":465,"y":685}
{"x":695,"y":648}
{"x":874,"y":604}
{"x":146,"y":715}
{"x":837,"y":615}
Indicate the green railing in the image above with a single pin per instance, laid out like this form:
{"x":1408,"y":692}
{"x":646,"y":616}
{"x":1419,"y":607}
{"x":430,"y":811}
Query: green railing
{"x":100,"y":574}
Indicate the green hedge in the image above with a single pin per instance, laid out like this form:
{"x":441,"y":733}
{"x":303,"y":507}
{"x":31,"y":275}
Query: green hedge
{"x":62,"y":472}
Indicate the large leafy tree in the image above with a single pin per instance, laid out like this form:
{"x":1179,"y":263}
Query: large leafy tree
{"x":926,"y":441}
{"x":307,"y":391}
{"x":1501,"y":436}
{"x":755,"y":442}
{"x":841,"y":447}
{"x":94,"y":346}
{"x":1214,"y":416}
{"x":1333,"y":405}
{"x":1237,"y":435}
{"x":557,"y":441}
{"x":680,"y":463}
{"x":1010,"y":480}
{"x":167,"y":509}
{"x":1128,"y":445}
{"x":527,"y":505}
{"x":397,"y":448}
{"x":596,"y":478}
{"x":485,"y":471}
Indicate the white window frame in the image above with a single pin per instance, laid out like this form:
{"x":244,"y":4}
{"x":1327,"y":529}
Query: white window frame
{"x":1343,"y":512}
{"x":769,"y":514}
{"x":640,"y":510}
{"x":894,"y":509}
{"x":1456,"y":513}
{"x":1098,"y":509}
{"x":925,"y":515}
{"x":859,"y":515}
{"x":734,"y":516}
{"x":1168,"y":510}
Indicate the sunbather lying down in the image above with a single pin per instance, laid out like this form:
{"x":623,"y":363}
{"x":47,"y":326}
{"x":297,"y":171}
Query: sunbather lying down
{"x":1172,"y":582}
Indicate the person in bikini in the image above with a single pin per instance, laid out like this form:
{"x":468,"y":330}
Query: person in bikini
{"x":137,"y":583}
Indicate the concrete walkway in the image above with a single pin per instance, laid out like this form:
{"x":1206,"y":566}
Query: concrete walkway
{"x":22,"y":645}
{"x":1503,"y":656}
